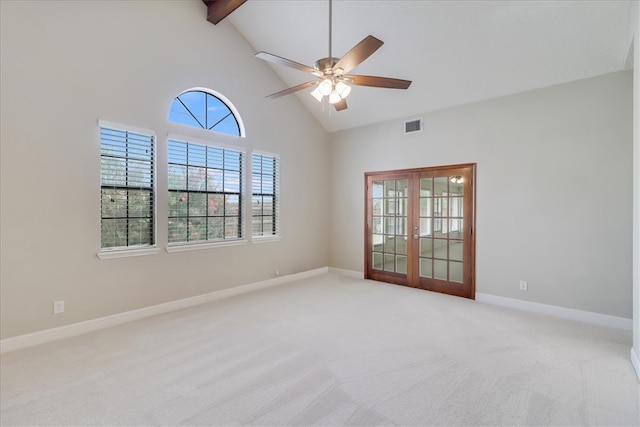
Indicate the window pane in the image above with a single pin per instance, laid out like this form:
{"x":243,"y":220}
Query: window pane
{"x":232,"y":181}
{"x":206,"y":204}
{"x":197,"y":178}
{"x":177,"y":230}
{"x":177,"y":177}
{"x":139,"y":232}
{"x":215,"y":205}
{"x":127,"y":188}
{"x":264,"y":187}
{"x":231,"y":227}
{"x":114,"y":233}
{"x":216,"y":228}
{"x":197,"y":229}
{"x":203,"y":110}
{"x":197,"y":204}
{"x":232,"y":205}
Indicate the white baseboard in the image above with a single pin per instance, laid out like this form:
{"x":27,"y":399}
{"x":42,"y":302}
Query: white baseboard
{"x":563,"y":312}
{"x":48,"y":335}
{"x":635,"y":361}
{"x":347,"y":273}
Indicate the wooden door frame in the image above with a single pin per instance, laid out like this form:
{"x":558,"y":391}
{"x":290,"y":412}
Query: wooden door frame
{"x":368,"y":225}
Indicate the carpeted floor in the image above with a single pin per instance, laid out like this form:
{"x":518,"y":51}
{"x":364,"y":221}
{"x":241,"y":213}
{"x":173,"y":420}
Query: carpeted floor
{"x":329,"y":351}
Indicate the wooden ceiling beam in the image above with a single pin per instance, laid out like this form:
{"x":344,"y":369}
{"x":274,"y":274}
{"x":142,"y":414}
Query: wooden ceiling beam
{"x":217,"y":10}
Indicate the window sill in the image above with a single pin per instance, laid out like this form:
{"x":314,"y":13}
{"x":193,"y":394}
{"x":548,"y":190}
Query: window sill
{"x":125,"y":253}
{"x":267,"y":239}
{"x":200,"y":246}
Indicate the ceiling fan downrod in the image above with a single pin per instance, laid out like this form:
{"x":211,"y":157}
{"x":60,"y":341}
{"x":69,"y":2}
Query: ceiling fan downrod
{"x":330,"y":18}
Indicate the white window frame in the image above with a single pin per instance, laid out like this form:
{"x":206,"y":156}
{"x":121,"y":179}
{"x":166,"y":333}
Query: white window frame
{"x":130,"y":251}
{"x":275,"y":237}
{"x":208,"y":244}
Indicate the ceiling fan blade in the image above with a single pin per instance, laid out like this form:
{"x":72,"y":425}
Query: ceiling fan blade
{"x":358,"y":53}
{"x":376,"y":81}
{"x":287,"y":63}
{"x":341,"y":105}
{"x":291,"y":90}
{"x":217,"y":10}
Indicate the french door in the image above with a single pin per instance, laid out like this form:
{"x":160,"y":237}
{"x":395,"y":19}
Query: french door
{"x":419,"y":228}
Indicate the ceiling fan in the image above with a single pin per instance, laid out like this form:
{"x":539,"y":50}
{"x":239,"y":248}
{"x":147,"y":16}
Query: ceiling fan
{"x":332,"y":78}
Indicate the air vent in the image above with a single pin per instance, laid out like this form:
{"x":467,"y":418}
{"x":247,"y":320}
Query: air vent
{"x":413,"y":126}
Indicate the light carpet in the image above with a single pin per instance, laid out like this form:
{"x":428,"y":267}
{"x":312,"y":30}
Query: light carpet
{"x":330,"y":351}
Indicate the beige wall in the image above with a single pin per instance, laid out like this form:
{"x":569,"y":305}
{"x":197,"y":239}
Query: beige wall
{"x":67,"y":64}
{"x":635,"y":32}
{"x":554,"y":175}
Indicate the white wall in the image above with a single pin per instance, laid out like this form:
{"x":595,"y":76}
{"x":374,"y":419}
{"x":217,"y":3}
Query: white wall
{"x":67,"y":64}
{"x":635,"y":33}
{"x":554,"y":174}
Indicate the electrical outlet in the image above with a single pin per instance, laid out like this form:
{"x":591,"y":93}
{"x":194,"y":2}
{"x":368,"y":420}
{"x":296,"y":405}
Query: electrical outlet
{"x":58,"y":307}
{"x":524,"y":285}
{"x":277,"y":273}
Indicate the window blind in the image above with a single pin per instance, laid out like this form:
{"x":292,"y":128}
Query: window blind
{"x":205,"y":192}
{"x":265,"y":182}
{"x":127,"y":179}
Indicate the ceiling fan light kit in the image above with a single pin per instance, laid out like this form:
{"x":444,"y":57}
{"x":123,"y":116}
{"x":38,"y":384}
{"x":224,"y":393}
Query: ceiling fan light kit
{"x":334,"y":82}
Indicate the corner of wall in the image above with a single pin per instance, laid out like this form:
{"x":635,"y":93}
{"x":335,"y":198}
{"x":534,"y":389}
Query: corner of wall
{"x":635,"y":31}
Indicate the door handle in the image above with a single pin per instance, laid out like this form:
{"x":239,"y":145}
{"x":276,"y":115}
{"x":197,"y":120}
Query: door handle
{"x":415,"y":237}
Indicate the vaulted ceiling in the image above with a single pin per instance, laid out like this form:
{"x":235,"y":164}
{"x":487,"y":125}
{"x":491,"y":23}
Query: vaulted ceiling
{"x":455,"y":52}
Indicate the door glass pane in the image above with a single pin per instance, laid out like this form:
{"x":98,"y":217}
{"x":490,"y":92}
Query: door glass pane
{"x":426,"y":226}
{"x":377,"y":206}
{"x":389,"y":188}
{"x":440,"y":248}
{"x":455,"y":250}
{"x":390,"y":206}
{"x":377,"y":189}
{"x":401,"y":188}
{"x":455,"y":272}
{"x":402,"y":207}
{"x":455,"y":207}
{"x":425,"y":247}
{"x":426,"y":187}
{"x":426,"y":206}
{"x":377,"y":261}
{"x":441,"y":186}
{"x":401,"y":226}
{"x":401,"y":264}
{"x":401,"y":246}
{"x":456,"y":185}
{"x":389,"y":244}
{"x":455,"y":229}
{"x":390,"y":225}
{"x":377,"y":224}
{"x":426,"y":268}
{"x":389,"y":262}
{"x":377,"y":240}
{"x":440,"y":269}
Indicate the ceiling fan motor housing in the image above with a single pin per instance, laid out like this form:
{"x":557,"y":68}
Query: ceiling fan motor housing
{"x":325,"y":65}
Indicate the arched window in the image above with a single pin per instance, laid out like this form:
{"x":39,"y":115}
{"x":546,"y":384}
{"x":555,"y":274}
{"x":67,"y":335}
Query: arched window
{"x":206,"y":109}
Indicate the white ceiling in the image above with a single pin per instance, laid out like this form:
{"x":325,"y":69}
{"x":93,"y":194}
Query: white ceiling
{"x":455,"y":52}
